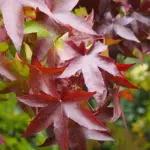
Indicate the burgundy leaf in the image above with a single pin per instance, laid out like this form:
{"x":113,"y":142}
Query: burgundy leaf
{"x":61,"y":129}
{"x":77,"y":138}
{"x":117,"y":106}
{"x":14,"y":16}
{"x":42,"y":46}
{"x":135,"y":4}
{"x":58,"y":111}
{"x":104,"y":6}
{"x":42,"y":120}
{"x":104,"y":114}
{"x":41,"y":82}
{"x":117,"y":24}
{"x":122,"y":81}
{"x":141,"y":18}
{"x":61,"y":14}
{"x":78,"y":96}
{"x":40,"y":77}
{"x":63,"y":5}
{"x":145,"y":7}
{"x":3,"y":34}
{"x":118,"y":111}
{"x":68,"y":18}
{"x":34,"y":100}
{"x":124,"y":67}
{"x":89,"y":65}
{"x":83,"y":117}
{"x":125,"y":33}
{"x":79,"y":135}
{"x":123,"y":21}
{"x":97,"y":135}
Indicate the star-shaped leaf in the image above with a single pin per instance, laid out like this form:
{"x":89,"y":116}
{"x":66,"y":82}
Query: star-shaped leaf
{"x":89,"y":62}
{"x":118,"y":25}
{"x":57,"y":111}
{"x":78,"y":136}
{"x":14,"y":18}
{"x":61,"y":13}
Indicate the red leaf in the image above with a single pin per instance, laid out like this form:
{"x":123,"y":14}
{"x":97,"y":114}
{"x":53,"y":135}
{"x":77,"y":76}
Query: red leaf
{"x":61,"y":128}
{"x":122,"y":81}
{"x":41,"y":77}
{"x":78,"y":23}
{"x":111,"y":113}
{"x":78,"y":136}
{"x":125,"y":33}
{"x":104,"y":114}
{"x":40,"y":81}
{"x":14,"y":16}
{"x":37,"y":65}
{"x":117,"y":24}
{"x":78,"y":96}
{"x":3,"y":34}
{"x":61,"y":13}
{"x":127,"y":95}
{"x":124,"y":67}
{"x":63,"y":5}
{"x":145,"y":7}
{"x":80,"y":49}
{"x":42,"y":120}
{"x":118,"y":112}
{"x":57,"y":112}
{"x":35,"y":62}
{"x":117,"y":106}
{"x":89,"y":64}
{"x":34,"y":100}
{"x":135,"y":4}
{"x":83,"y":117}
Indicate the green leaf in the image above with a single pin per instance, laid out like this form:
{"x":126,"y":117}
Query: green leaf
{"x":3,"y":46}
{"x":34,"y":27}
{"x":81,"y":11}
{"x":26,"y":52}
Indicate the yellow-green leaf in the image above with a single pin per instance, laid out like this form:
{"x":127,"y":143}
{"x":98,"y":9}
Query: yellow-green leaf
{"x":3,"y":46}
{"x":34,"y":27}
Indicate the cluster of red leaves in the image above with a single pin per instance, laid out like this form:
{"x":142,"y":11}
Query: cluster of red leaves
{"x":58,"y":89}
